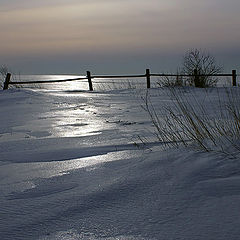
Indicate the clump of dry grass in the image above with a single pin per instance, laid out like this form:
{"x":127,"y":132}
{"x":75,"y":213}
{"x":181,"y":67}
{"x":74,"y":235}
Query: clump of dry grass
{"x":115,"y":84}
{"x":191,"y":121}
{"x":167,"y":81}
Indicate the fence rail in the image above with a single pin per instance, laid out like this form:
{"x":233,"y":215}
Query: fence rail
{"x":47,"y":81}
{"x":147,"y":75}
{"x":185,"y":75}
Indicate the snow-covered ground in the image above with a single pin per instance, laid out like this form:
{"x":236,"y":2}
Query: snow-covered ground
{"x":72,"y":166}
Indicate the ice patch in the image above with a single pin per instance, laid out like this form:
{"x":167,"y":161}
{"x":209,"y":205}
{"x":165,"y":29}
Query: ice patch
{"x":40,"y":134}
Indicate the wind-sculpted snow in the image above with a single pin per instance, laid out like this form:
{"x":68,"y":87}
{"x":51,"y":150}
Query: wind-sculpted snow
{"x":40,"y":191}
{"x":72,"y":167}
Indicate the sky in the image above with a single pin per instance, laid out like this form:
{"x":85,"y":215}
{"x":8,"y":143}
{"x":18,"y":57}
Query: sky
{"x":115,"y":36}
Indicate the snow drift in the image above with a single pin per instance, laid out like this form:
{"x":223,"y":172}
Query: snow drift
{"x":72,"y":167}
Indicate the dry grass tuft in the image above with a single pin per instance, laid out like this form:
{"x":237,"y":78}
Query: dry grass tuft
{"x":191,"y":121}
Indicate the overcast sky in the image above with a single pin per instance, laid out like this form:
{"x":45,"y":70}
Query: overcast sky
{"x":115,"y":36}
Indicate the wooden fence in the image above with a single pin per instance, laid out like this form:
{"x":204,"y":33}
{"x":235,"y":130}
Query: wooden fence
{"x":147,"y":75}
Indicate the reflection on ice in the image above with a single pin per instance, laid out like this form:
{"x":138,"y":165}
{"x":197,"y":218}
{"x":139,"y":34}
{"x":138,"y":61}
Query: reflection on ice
{"x":38,"y":170}
{"x":74,"y":119}
{"x":53,"y":169}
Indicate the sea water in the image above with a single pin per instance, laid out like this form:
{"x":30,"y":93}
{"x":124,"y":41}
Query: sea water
{"x":100,"y":84}
{"x":78,"y":85}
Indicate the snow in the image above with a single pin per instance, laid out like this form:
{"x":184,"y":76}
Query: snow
{"x":72,"y":166}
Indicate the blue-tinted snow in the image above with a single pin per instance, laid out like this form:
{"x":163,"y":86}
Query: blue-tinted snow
{"x":70,"y":169}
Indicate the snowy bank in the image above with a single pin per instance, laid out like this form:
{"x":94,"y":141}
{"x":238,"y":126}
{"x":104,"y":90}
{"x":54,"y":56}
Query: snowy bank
{"x":72,"y":167}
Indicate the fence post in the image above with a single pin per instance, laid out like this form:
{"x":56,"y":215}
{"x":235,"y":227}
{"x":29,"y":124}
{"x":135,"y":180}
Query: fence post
{"x":89,"y":81}
{"x":7,"y":81}
{"x":234,"y":77}
{"x":148,"y":78}
{"x":196,"y":78}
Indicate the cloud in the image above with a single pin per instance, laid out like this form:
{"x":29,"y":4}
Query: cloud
{"x":51,"y":27}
